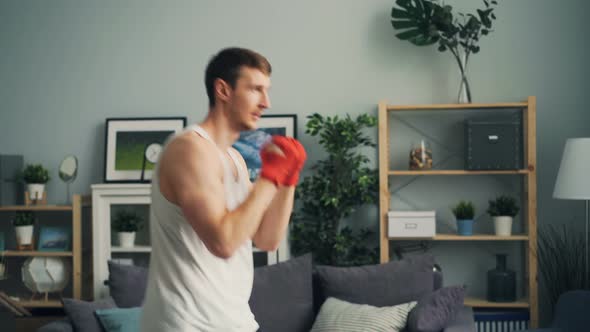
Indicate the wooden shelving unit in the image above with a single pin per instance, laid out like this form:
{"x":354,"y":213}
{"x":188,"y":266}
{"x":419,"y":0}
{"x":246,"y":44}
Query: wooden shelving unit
{"x":475,"y":237}
{"x":529,"y":239}
{"x":75,"y":253}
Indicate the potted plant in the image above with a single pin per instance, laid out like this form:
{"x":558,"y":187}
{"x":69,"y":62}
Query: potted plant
{"x":35,"y":176}
{"x":427,"y":22}
{"x":126,"y":224}
{"x":338,"y":185}
{"x":23,"y":223}
{"x":502,"y":210}
{"x":464,"y":212}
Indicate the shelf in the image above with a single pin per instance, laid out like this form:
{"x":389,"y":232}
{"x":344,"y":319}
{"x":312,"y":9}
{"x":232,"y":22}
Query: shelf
{"x":482,"y":303}
{"x":457,"y":172}
{"x":438,"y":107}
{"x":17,"y":253}
{"x":41,"y":304}
{"x":118,"y":249}
{"x":36,"y":208}
{"x":476,"y":237}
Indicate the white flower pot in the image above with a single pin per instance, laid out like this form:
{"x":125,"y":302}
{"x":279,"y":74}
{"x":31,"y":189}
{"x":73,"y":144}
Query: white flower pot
{"x":126,"y":239}
{"x":503,"y":225}
{"x":24,"y":234}
{"x":35,"y":190}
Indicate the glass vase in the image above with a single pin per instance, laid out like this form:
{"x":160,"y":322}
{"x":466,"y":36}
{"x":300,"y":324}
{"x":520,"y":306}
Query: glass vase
{"x":501,"y":282}
{"x":464,"y":96}
{"x":420,"y":155}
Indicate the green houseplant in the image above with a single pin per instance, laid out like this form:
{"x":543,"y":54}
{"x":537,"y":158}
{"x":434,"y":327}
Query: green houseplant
{"x":126,"y":224}
{"x":503,"y":209}
{"x":24,"y":226}
{"x":35,"y":176}
{"x":561,"y":266}
{"x":464,"y":212}
{"x":428,"y":22}
{"x":340,"y":184}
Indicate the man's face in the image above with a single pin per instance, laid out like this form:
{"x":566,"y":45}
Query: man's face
{"x":249,"y":98}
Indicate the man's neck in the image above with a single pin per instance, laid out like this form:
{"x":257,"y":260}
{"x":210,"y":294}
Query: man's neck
{"x":218,"y":126}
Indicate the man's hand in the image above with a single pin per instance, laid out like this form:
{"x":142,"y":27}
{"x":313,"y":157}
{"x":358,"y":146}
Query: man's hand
{"x":300,"y":157}
{"x":282,"y":160}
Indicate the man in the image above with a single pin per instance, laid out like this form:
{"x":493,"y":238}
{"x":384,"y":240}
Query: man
{"x":205,"y":213}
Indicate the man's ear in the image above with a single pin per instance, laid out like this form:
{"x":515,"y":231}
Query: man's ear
{"x":222,"y":89}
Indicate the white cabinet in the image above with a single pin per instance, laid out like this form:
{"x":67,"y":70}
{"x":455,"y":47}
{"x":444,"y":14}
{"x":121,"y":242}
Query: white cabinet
{"x":105,"y":198}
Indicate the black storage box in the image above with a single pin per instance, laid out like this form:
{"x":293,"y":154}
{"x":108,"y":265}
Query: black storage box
{"x":493,"y":145}
{"x":11,"y":190}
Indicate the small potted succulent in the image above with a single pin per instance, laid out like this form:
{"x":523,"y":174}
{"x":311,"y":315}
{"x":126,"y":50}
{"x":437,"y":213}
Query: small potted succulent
{"x":35,"y":176}
{"x":126,"y":224}
{"x":464,"y":212}
{"x":502,"y":210}
{"x":23,"y":223}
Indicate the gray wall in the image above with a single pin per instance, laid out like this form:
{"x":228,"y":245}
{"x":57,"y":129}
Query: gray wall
{"x":65,"y":66}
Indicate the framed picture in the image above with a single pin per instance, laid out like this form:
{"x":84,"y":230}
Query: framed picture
{"x":250,"y":142}
{"x":126,"y":140}
{"x":52,"y":238}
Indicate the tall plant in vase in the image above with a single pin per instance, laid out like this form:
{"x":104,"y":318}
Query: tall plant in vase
{"x":340,"y":183}
{"x":428,"y":22}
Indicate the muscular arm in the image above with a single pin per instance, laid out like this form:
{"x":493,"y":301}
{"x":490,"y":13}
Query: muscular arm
{"x":275,"y":221}
{"x":190,"y":181}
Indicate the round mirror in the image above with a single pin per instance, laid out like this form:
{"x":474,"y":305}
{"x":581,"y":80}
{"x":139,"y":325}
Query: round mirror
{"x":68,"y":169}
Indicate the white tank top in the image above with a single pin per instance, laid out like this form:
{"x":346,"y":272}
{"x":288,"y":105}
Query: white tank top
{"x":189,"y":288}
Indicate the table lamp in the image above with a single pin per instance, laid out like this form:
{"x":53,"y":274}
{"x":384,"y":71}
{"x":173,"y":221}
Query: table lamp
{"x":573,"y":178}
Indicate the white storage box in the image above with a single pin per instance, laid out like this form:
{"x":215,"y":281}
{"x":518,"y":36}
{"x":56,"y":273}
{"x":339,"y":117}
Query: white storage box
{"x":411,"y":223}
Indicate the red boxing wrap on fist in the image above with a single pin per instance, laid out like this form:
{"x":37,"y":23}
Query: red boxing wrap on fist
{"x":300,"y":157}
{"x":282,"y":169}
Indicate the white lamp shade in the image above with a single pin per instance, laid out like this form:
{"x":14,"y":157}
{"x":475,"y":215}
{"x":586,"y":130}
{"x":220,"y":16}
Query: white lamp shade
{"x":573,"y":178}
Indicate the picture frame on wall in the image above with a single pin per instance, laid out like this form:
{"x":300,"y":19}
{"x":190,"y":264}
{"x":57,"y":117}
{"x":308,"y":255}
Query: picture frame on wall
{"x":250,"y":142}
{"x":126,"y":140}
{"x":54,"y":238}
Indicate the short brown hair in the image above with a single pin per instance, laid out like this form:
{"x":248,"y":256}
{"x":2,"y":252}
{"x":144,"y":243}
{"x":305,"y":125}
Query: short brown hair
{"x":226,"y":65}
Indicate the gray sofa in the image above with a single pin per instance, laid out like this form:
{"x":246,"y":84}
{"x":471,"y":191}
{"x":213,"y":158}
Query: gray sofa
{"x":288,"y":296}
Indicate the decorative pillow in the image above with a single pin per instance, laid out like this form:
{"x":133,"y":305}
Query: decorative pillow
{"x":127,"y":284}
{"x":336,"y":315}
{"x":120,"y":319}
{"x":282,"y":296}
{"x":379,"y":285}
{"x":436,"y":310}
{"x":81,"y":313}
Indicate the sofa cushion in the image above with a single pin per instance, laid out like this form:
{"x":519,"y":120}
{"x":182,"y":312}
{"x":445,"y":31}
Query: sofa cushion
{"x":81,"y":313}
{"x":127,"y":284}
{"x":282,"y":298}
{"x":342,"y":316}
{"x":119,"y":319}
{"x":379,"y":285}
{"x":436,"y":310}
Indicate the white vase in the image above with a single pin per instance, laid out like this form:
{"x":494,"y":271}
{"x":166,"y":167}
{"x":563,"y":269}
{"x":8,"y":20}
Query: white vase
{"x":24,"y":234}
{"x":503,"y":225}
{"x":35,"y":190}
{"x":126,"y":239}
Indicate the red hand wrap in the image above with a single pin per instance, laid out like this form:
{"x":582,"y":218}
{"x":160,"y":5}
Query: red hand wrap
{"x":279,"y":169}
{"x":300,"y":157}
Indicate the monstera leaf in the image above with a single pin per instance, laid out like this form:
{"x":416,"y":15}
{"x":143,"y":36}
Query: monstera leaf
{"x":415,"y":20}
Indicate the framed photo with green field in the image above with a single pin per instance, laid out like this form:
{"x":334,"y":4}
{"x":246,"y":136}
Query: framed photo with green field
{"x":126,"y":140}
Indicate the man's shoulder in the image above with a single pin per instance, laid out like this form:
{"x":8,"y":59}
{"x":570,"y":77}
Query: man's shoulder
{"x":187,"y":142}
